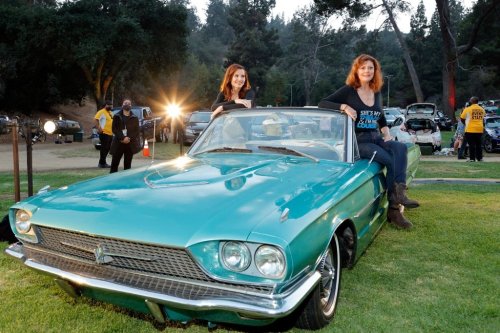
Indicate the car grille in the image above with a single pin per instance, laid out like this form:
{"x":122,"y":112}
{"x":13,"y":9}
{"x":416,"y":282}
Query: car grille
{"x":134,"y":264}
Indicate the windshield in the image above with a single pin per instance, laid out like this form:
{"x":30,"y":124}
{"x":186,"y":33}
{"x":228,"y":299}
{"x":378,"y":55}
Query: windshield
{"x":492,"y":123}
{"x":310,"y":134}
{"x":202,"y":117}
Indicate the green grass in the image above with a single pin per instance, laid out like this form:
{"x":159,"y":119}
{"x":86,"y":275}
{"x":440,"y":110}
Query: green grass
{"x":441,"y":276}
{"x":452,"y":169}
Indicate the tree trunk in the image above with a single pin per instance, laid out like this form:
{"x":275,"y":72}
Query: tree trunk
{"x":406,"y":55}
{"x":449,"y":59}
{"x":451,"y":52}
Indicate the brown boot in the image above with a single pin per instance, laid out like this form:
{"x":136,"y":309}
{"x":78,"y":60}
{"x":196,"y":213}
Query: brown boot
{"x":401,"y":198}
{"x":396,"y":217}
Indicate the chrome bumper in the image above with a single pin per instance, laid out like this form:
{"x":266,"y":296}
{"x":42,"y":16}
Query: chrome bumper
{"x":263,"y":307}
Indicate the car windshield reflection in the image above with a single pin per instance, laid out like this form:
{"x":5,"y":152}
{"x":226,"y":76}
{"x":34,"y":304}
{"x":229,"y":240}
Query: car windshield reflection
{"x":314,"y":135}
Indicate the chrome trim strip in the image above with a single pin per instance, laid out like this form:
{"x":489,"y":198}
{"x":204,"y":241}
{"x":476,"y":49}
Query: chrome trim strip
{"x":277,"y":306}
{"x":369,"y":204}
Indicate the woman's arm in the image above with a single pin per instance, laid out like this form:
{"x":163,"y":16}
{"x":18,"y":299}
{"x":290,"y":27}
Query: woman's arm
{"x":117,"y":127}
{"x":219,"y":101}
{"x":338,"y":101}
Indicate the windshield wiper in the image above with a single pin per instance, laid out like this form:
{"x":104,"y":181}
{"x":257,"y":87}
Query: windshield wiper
{"x":285,"y":150}
{"x":225,"y":150}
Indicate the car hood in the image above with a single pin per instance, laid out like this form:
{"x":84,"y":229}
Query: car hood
{"x":493,"y":132}
{"x":188,"y":200}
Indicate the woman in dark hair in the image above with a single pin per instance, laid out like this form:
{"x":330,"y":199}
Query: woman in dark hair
{"x":235,"y":91}
{"x":361,"y":100}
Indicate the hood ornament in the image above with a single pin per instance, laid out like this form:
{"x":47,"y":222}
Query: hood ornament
{"x":101,"y":255}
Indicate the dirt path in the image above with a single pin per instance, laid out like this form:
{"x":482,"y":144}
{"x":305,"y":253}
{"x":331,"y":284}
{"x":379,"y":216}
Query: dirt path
{"x":47,"y":156}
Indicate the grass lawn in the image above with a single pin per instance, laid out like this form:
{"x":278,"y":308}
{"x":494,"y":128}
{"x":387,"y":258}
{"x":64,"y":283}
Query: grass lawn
{"x":441,"y":276}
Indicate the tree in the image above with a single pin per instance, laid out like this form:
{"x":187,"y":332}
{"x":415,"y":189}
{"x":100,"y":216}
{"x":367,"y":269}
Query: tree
{"x":308,"y":38}
{"x":360,"y":8}
{"x":255,"y":46}
{"x":106,"y":39}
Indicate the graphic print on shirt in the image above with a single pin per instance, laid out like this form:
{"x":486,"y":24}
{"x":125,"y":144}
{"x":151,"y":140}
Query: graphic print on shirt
{"x":368,"y":119}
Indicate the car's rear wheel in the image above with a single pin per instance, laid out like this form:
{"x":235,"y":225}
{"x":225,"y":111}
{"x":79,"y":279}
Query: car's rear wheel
{"x":488,"y":145}
{"x":321,"y":304}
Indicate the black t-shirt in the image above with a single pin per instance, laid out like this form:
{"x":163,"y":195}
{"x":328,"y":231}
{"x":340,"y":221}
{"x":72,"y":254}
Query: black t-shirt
{"x":369,"y":118}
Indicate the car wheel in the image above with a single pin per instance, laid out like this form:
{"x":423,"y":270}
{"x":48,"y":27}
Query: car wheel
{"x":320,"y":305}
{"x":488,"y":145}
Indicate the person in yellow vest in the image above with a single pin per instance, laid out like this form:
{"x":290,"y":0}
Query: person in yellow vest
{"x":472,"y":116}
{"x":103,"y":123}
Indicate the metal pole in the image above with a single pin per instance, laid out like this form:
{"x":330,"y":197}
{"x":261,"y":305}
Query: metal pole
{"x":388,"y":88}
{"x":15,"y":153}
{"x":29,"y":159}
{"x":154,"y":140}
{"x":181,"y":134}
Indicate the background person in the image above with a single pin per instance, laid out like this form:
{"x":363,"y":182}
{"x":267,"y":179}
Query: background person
{"x":361,"y":100}
{"x":458,"y":143}
{"x":235,"y":91}
{"x":103,"y":123}
{"x":126,"y":141}
{"x":472,"y":116}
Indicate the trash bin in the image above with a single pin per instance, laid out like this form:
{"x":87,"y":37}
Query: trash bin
{"x":78,"y":136}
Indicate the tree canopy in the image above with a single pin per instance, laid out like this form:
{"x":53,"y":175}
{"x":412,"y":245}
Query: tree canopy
{"x":52,"y":52}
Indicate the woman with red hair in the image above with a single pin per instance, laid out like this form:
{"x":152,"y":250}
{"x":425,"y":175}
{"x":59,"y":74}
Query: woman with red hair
{"x":235,"y":91}
{"x":361,"y":100}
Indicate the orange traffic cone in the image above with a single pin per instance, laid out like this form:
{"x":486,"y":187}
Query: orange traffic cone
{"x":145,"y":150}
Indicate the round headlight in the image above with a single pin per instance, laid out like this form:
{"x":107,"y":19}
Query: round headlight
{"x":236,"y":256}
{"x":23,"y":224}
{"x":270,"y":261}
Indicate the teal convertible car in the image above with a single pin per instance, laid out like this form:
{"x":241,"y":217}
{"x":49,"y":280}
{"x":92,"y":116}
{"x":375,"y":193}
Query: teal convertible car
{"x":252,"y":226}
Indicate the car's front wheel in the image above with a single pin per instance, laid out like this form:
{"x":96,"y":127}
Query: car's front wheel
{"x":321,"y":303}
{"x":488,"y":145}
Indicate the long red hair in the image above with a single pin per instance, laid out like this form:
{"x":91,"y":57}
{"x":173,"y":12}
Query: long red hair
{"x":226,"y":87}
{"x":353,"y":80}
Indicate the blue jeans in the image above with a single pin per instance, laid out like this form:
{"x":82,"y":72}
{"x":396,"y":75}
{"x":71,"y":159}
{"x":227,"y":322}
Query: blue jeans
{"x":391,"y":154}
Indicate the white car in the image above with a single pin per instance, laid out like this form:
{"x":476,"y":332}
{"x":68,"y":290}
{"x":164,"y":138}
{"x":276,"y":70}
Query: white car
{"x":391,"y":114}
{"x":419,"y":127}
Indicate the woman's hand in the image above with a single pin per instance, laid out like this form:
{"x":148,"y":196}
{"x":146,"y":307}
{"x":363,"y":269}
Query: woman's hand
{"x":349,"y":111}
{"x":246,"y":102}
{"x":126,"y":140}
{"x":387,"y":135}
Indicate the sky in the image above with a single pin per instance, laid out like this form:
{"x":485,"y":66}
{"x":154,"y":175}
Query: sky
{"x":288,"y":7}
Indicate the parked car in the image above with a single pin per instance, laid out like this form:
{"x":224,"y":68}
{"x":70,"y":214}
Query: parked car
{"x":391,"y":114}
{"x":195,"y":124}
{"x":491,"y":136}
{"x":419,"y":127}
{"x":490,"y":106}
{"x":5,"y":127}
{"x":443,"y":121}
{"x":244,"y":229}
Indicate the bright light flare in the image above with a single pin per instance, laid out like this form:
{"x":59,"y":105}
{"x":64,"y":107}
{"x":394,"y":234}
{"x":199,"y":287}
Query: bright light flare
{"x":49,"y":127}
{"x":173,"y":110}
